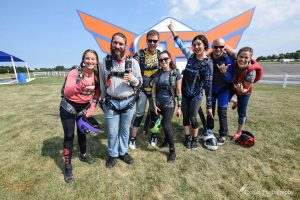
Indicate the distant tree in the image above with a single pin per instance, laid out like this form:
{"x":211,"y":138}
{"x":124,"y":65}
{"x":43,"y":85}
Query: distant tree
{"x":281,"y":56}
{"x":288,"y":55}
{"x":273,"y":57}
{"x":59,"y":68}
{"x":259,"y":58}
{"x":297,"y":55}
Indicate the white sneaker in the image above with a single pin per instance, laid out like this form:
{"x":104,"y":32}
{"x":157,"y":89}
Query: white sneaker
{"x":153,"y":140}
{"x":132,"y":144}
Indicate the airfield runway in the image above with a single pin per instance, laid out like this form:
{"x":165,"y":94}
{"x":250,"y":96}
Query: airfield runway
{"x":280,"y":69}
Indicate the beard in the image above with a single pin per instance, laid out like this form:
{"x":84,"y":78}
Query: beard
{"x":117,"y":53}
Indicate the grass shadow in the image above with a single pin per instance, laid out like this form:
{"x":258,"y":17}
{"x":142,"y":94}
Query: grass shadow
{"x":52,"y":148}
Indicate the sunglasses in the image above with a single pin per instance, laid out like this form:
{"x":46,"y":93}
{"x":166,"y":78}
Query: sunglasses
{"x":163,"y":59}
{"x":150,"y":41}
{"x":218,"y":47}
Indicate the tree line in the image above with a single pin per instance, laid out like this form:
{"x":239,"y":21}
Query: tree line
{"x":293,"y":55}
{"x":10,"y":69}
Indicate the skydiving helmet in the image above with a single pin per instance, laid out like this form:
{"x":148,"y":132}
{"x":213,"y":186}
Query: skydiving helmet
{"x":246,"y":139}
{"x":88,"y":125}
{"x":155,"y":124}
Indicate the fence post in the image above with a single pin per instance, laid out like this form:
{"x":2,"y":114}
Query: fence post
{"x":285,"y":81}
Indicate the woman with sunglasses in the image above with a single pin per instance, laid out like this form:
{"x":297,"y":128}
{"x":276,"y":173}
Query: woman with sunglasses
{"x":197,"y":76}
{"x":167,"y":85}
{"x":246,"y":72}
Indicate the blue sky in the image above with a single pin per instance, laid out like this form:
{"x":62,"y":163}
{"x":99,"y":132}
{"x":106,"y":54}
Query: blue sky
{"x":50,"y":33}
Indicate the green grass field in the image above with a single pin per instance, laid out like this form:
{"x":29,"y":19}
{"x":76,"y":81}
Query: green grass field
{"x":32,"y":163}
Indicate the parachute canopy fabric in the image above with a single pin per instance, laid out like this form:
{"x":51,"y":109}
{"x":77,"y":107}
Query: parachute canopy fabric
{"x":5,"y":57}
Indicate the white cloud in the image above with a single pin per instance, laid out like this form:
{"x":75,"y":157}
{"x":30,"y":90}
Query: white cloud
{"x":274,"y":29}
{"x":181,"y":8}
{"x":267,"y":12}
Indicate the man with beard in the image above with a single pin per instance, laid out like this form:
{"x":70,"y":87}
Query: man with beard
{"x":120,"y":77}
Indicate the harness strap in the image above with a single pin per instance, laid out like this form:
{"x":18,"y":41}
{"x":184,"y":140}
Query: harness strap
{"x":117,"y":74}
{"x":87,"y":92}
{"x":129,"y":106}
{"x":172,"y":81}
{"x":119,"y":98}
{"x":69,"y":108}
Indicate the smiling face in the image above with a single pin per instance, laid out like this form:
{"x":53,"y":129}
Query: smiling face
{"x":152,"y":42}
{"x":117,"y":47}
{"x":164,"y":61}
{"x":218,"y":47}
{"x":90,"y":60}
{"x":244,"y":59}
{"x":198,"y":47}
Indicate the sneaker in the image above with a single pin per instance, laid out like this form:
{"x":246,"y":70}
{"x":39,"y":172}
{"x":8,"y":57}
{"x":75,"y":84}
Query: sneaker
{"x":194,"y":143}
{"x":132,"y":143}
{"x":86,"y":158}
{"x":210,"y":141}
{"x":221,"y":140}
{"x":187,"y":141}
{"x":127,"y":158}
{"x":68,"y":173}
{"x":110,"y":162}
{"x":236,"y":136}
{"x":171,"y":156}
{"x":164,"y":144}
{"x":234,"y":105}
{"x":153,"y":140}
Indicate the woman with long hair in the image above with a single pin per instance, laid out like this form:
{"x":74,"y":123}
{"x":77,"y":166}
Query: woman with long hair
{"x":246,"y":72}
{"x":166,"y":90}
{"x":80,"y":95}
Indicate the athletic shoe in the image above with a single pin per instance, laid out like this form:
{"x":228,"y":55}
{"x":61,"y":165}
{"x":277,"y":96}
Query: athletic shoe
{"x":153,"y":140}
{"x":110,"y":162}
{"x":132,"y":143}
{"x":87,"y":158}
{"x":68,"y":173}
{"x":234,"y":105}
{"x":171,"y":156}
{"x":236,"y":136}
{"x":221,"y":140}
{"x":127,"y":158}
{"x":210,"y":141}
{"x":187,"y":141}
{"x":194,"y":143}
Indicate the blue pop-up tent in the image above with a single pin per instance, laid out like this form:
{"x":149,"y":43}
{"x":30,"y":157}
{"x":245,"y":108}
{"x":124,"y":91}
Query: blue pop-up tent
{"x":5,"y":57}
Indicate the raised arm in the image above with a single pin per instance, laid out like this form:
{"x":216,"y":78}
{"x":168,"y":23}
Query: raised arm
{"x":179,"y":42}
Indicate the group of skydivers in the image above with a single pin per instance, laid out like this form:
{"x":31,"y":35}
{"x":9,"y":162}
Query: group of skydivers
{"x":122,"y":86}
